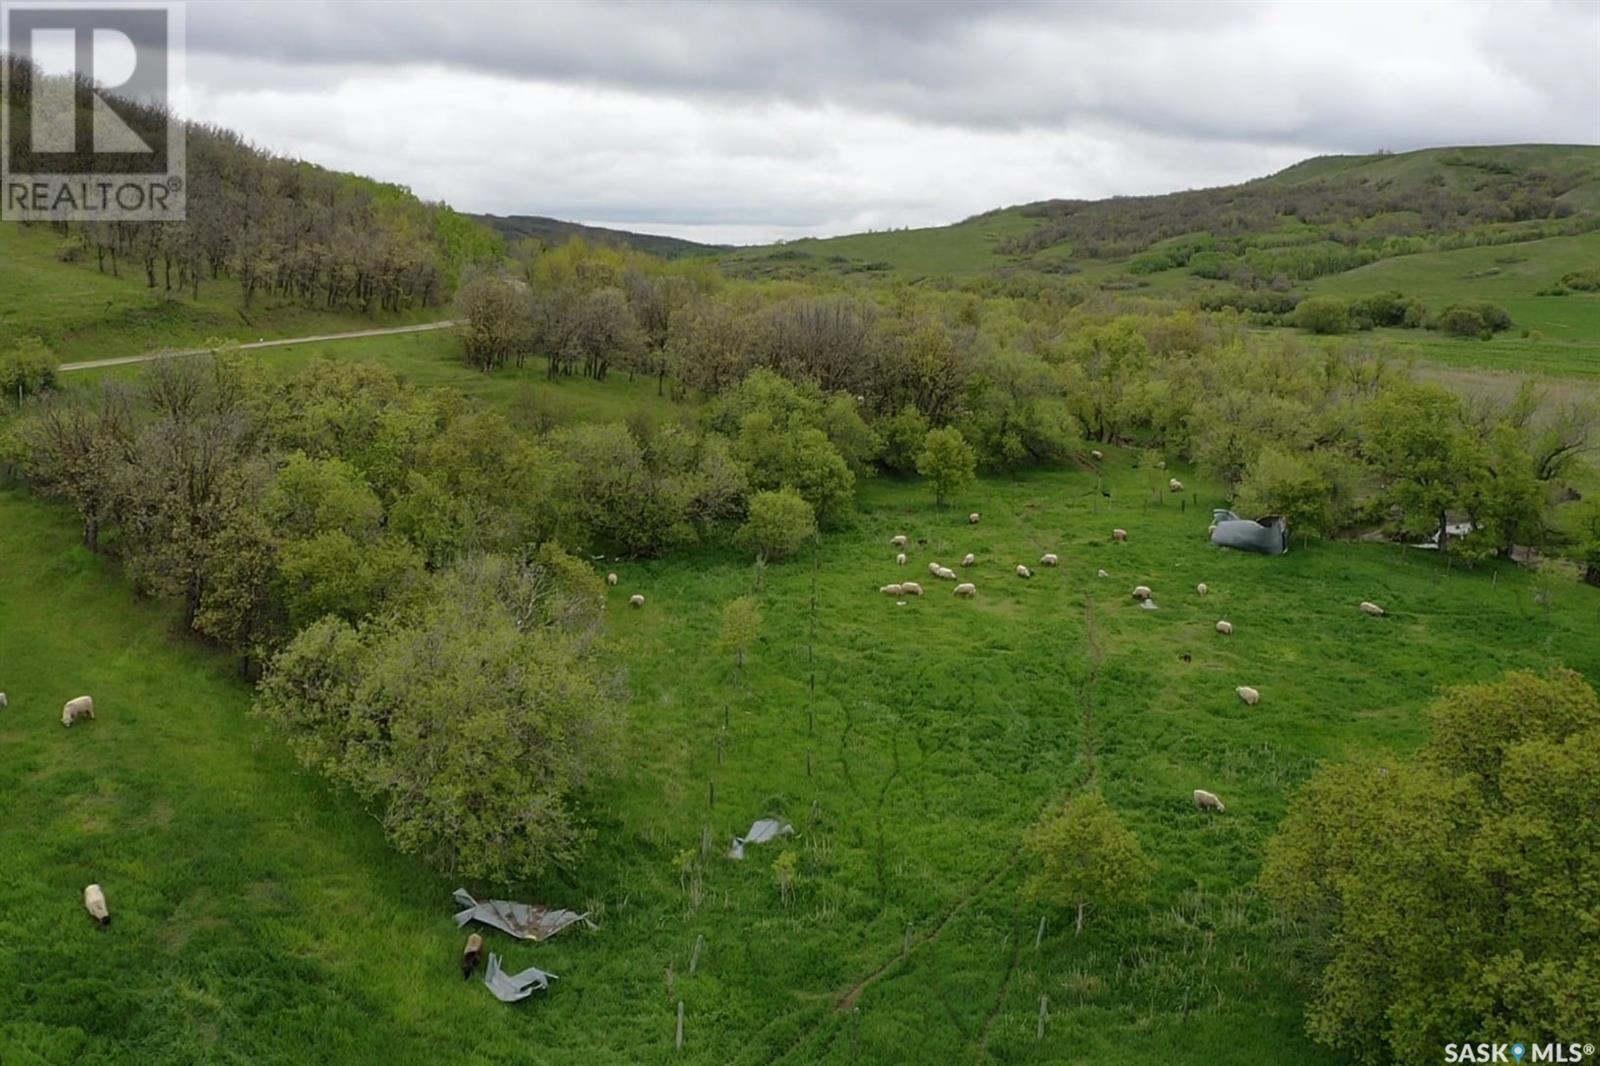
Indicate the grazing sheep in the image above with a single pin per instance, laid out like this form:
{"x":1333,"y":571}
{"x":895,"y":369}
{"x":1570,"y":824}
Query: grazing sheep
{"x":1202,"y":588}
{"x":968,"y":559}
{"x":900,"y":560}
{"x":82,"y":707}
{"x":1207,"y":801}
{"x":966,"y":589}
{"x":1174,"y":485}
{"x":1367,"y":607}
{"x":470,"y":957}
{"x":636,"y":600}
{"x":892,"y":590}
{"x":1161,"y":464}
{"x":94,"y":901}
{"x":1048,"y":559}
{"x":1101,"y":573}
{"x":2,"y":699}
{"x":1097,"y":455}
{"x":972,"y":519}
{"x":1248,"y":694}
{"x":898,"y":541}
{"x":1141,"y":592}
{"x":1225,"y":628}
{"x":910,"y":588}
{"x":611,"y":579}
{"x":934,"y":568}
{"x":946,"y":574}
{"x":1119,"y":535}
{"x":1023,"y":571}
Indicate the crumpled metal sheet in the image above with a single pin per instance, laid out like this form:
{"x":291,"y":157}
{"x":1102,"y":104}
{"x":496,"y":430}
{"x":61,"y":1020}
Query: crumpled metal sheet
{"x":760,"y":832}
{"x":512,"y":987}
{"x":1268,"y":535}
{"x":522,"y":920}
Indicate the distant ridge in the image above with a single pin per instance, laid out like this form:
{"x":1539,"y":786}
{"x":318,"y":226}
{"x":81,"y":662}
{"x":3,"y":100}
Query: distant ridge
{"x":554,"y":231}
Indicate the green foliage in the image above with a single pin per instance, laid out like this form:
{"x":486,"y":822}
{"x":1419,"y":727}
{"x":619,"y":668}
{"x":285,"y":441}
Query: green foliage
{"x":780,"y":522}
{"x":741,"y":625}
{"x":947,"y":462}
{"x":496,"y":316}
{"x":1283,"y":483}
{"x":903,"y":434}
{"x":1323,"y":314}
{"x":1082,"y":855}
{"x":27,"y":367}
{"x":1449,"y":893}
{"x":473,"y":720}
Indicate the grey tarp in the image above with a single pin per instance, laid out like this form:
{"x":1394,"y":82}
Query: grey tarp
{"x":760,"y":832}
{"x":1268,"y":535}
{"x":521,"y":920}
{"x":511,"y":987}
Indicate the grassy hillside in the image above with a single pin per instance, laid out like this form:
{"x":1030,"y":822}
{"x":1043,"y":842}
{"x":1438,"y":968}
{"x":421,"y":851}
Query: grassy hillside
{"x":261,"y":917}
{"x":554,"y":231}
{"x":1350,"y":196}
{"x":81,"y":313}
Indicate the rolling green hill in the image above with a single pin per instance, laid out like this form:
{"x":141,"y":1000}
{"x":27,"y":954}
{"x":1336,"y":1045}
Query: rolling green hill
{"x":555,"y":231}
{"x":1500,"y":193}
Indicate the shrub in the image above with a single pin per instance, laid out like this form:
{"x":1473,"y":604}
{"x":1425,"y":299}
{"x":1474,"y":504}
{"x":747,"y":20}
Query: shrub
{"x":1323,"y":314}
{"x":1464,"y":322}
{"x":27,"y":368}
{"x":779,"y":523}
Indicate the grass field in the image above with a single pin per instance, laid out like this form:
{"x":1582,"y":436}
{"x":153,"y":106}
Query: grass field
{"x":1564,"y":331}
{"x":83,"y":314}
{"x":261,"y":918}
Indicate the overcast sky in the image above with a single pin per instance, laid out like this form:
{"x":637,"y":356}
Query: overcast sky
{"x":754,"y":121}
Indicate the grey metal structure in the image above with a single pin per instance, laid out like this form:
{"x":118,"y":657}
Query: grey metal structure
{"x":513,"y":987}
{"x":522,"y":920}
{"x":760,"y":832}
{"x":1268,"y":535}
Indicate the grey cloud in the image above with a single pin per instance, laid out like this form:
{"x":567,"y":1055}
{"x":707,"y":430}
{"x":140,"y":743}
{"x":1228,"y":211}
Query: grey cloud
{"x":1228,"y":70}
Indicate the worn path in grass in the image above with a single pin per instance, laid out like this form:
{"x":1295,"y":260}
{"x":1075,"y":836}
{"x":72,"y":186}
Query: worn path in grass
{"x":127,"y":360}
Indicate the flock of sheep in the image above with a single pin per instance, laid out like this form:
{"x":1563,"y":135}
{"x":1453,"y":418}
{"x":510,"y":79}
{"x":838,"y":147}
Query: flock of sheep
{"x":1203,"y":800}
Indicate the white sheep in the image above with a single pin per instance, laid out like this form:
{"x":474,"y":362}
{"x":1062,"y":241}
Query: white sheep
{"x":3,"y":700}
{"x":1049,"y":559}
{"x":892,"y":590}
{"x":1174,"y":485}
{"x":1023,"y":571}
{"x":898,"y":541}
{"x":1248,"y":694}
{"x":611,"y":579}
{"x":946,"y":574}
{"x":910,"y":588}
{"x":934,"y":568}
{"x":972,"y":519}
{"x":1367,"y":607}
{"x":82,"y":707}
{"x":1202,"y":588}
{"x":1101,"y":573}
{"x":900,"y":560}
{"x":1161,"y":464}
{"x":1141,"y":592}
{"x":1207,"y":801}
{"x":969,"y":559}
{"x":1119,"y":535}
{"x":636,"y":600}
{"x":966,"y":589}
{"x":1097,"y":455}
{"x":1225,"y":628}
{"x":94,"y":901}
